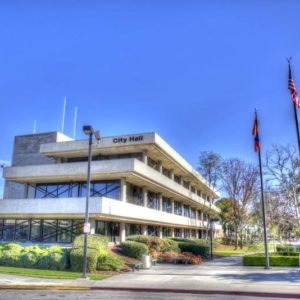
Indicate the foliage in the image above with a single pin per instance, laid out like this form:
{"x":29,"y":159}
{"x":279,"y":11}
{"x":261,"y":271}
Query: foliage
{"x":275,"y":261}
{"x":286,"y":248}
{"x":197,"y":249}
{"x":95,"y":241}
{"x":110,"y":263}
{"x":76,"y":259}
{"x":134,"y":249}
{"x":15,"y":255}
{"x":167,"y":257}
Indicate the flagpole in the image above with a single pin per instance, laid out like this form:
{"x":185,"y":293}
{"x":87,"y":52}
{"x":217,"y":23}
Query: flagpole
{"x":267,"y":261}
{"x":295,"y":108}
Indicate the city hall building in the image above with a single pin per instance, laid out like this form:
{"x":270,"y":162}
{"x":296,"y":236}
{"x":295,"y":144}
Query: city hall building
{"x":139,"y":185}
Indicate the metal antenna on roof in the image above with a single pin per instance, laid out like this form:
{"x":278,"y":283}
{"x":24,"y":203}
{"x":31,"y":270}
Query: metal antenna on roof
{"x":63,"y":116}
{"x":34,"y":126}
{"x":75,"y":121}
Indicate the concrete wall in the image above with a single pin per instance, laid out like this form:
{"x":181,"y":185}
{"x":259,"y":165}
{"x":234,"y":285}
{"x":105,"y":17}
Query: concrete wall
{"x":26,"y":152}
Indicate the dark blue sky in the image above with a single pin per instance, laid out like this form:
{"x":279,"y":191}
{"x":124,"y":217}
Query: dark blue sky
{"x":193,"y":71}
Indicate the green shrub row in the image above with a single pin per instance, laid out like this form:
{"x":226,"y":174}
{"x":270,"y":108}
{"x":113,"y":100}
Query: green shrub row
{"x":275,"y":261}
{"x":190,"y":246}
{"x":134,"y":249}
{"x":286,"y":248}
{"x":109,"y":263}
{"x":52,"y":258}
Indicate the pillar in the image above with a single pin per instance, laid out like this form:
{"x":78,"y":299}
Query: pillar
{"x":160,"y":198}
{"x":123,"y":189}
{"x":145,"y":156}
{"x":172,"y":206}
{"x":93,"y":226}
{"x":172,"y":232}
{"x":160,"y":167}
{"x":144,"y":230}
{"x":145,"y":196}
{"x":122,"y":232}
{"x":182,"y":232}
{"x":160,"y":232}
{"x":172,"y":174}
{"x":182,"y":209}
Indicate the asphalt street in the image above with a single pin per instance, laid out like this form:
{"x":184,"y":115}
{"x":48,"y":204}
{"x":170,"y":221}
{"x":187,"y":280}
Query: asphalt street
{"x":99,"y":295}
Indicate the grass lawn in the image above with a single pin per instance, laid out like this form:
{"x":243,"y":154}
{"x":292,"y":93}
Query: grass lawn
{"x":49,"y":273}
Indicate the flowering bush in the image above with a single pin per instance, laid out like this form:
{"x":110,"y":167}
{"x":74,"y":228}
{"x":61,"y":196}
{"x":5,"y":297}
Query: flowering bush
{"x":154,"y":253}
{"x":195,"y":260}
{"x":167,"y":257}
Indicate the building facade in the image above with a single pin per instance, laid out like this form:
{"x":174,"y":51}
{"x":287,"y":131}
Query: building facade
{"x":139,"y":185}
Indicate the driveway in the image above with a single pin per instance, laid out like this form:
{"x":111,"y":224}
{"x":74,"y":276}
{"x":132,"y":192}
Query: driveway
{"x":224,"y":274}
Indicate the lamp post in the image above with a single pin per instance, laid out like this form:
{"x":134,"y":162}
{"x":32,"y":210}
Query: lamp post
{"x":88,"y":130}
{"x":211,"y":233}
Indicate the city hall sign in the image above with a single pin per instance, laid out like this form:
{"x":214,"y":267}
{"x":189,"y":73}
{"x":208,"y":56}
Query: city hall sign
{"x":128,"y":139}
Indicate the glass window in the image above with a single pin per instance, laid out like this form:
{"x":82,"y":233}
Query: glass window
{"x":186,"y":211}
{"x":153,"y":200}
{"x":64,"y":230}
{"x":74,"y":189}
{"x":153,"y":163}
{"x":1,"y":228}
{"x":193,"y":213}
{"x":166,"y":232}
{"x":153,"y":230}
{"x":166,"y":172}
{"x":77,"y":228}
{"x":41,"y":191}
{"x":113,"y":190}
{"x":193,"y":233}
{"x":49,"y":231}
{"x":133,"y":229}
{"x":177,"y":232}
{"x":186,"y":233}
{"x":9,"y":230}
{"x":199,"y":215}
{"x":177,"y":208}
{"x":22,"y":230}
{"x":109,"y":229}
{"x":30,"y":192}
{"x":167,"y":207}
{"x":63,"y":190}
{"x":177,"y":179}
{"x":186,"y":184}
{"x":35,"y":230}
{"x":99,"y":189}
{"x":52,"y":190}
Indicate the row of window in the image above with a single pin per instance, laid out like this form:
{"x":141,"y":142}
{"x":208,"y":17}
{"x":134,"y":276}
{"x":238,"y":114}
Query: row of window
{"x":110,"y":189}
{"x":64,"y":231}
{"x":35,"y":230}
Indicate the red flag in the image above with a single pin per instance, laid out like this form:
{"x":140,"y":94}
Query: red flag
{"x":293,"y":89}
{"x":255,"y":134}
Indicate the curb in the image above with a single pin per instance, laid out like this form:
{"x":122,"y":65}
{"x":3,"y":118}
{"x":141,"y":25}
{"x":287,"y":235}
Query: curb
{"x":153,"y":290}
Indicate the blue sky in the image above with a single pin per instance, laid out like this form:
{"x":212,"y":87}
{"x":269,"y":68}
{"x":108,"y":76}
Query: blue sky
{"x":193,"y":71}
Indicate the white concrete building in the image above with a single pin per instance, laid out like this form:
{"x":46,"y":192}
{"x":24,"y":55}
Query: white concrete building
{"x":140,"y":185}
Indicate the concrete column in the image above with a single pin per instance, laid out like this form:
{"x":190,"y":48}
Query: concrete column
{"x":172,"y":232}
{"x":172,"y":174}
{"x":160,"y":167}
{"x":181,"y":180}
{"x":144,"y":230}
{"x":122,"y":232}
{"x":93,"y":226}
{"x":182,"y":232}
{"x":145,"y":196}
{"x":190,"y":233}
{"x":182,"y":209}
{"x":123,"y":189}
{"x":172,"y":206}
{"x":160,"y":232}
{"x":145,"y":156}
{"x":160,"y":197}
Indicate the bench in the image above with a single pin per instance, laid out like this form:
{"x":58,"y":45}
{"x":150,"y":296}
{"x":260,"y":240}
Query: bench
{"x":181,"y":259}
{"x":153,"y":261}
{"x":136,"y":266}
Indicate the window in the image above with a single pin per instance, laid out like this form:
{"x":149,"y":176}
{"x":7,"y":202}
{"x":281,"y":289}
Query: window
{"x":36,"y":231}
{"x":167,"y":206}
{"x":193,"y":213}
{"x":22,"y":230}
{"x":9,"y":230}
{"x":109,"y":229}
{"x":186,"y":184}
{"x":153,"y":200}
{"x":199,"y":215}
{"x":133,"y":229}
{"x":177,"y":208}
{"x":137,"y":155}
{"x":186,"y":233}
{"x":49,"y":233}
{"x":193,"y":233}
{"x":166,"y":231}
{"x":64,"y":230}
{"x":1,"y":228}
{"x":153,"y":230}
{"x":199,"y":193}
{"x":186,"y":211}
{"x":166,"y":172}
{"x":135,"y":195}
{"x":193,"y":190}
{"x":110,"y":189}
{"x":177,"y":179}
{"x":153,"y":163}
{"x":177,"y":232}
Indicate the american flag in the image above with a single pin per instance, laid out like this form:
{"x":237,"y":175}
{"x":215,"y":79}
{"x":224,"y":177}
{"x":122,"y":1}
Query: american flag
{"x":255,"y":134}
{"x":293,"y":89}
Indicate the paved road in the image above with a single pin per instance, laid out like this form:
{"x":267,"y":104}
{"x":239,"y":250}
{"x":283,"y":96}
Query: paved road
{"x":104,"y":295}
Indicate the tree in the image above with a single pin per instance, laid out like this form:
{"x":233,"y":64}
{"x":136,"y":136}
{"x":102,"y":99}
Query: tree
{"x":210,"y":166}
{"x":240,"y":182}
{"x":283,"y":175}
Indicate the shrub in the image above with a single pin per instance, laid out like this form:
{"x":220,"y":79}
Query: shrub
{"x":275,"y":261}
{"x":170,"y":245}
{"x":109,"y":263}
{"x":134,"y":249}
{"x":151,"y":241}
{"x":76,"y":259}
{"x":95,"y":241}
{"x":286,"y":248}
{"x":194,"y":248}
{"x":195,"y":260}
{"x":28,"y":260}
{"x":167,"y":257}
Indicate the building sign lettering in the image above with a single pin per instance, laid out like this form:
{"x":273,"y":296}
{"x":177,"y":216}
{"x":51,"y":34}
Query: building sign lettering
{"x":130,"y":139}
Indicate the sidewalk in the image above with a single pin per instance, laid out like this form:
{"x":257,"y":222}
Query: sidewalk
{"x":222,"y":276}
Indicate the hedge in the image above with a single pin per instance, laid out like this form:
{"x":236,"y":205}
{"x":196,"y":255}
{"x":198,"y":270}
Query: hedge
{"x":109,"y":263}
{"x":286,"y":248}
{"x":275,"y":261}
{"x":134,"y":249}
{"x":190,"y":246}
{"x":95,"y":241}
{"x":14,"y":255}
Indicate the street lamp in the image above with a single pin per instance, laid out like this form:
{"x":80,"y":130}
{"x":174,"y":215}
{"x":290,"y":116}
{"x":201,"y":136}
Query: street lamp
{"x":88,"y":130}
{"x":211,"y":233}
